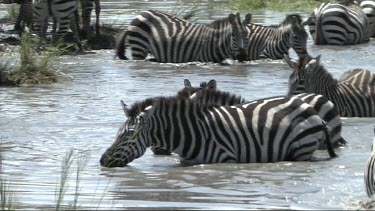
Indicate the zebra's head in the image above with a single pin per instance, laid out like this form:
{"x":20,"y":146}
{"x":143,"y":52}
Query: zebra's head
{"x":240,"y":34}
{"x":298,"y":35}
{"x":296,"y":82}
{"x":125,"y":149}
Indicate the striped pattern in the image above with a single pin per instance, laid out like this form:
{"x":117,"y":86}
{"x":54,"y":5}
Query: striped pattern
{"x":337,"y":24}
{"x":370,"y":171}
{"x":274,"y":41}
{"x":62,"y":11}
{"x":368,"y":7}
{"x":173,"y":40}
{"x":353,"y":96}
{"x":266,"y":130}
{"x":87,"y":7}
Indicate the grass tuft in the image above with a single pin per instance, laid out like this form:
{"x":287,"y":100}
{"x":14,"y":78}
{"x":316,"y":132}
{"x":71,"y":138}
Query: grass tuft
{"x":280,"y":5}
{"x":12,"y":11}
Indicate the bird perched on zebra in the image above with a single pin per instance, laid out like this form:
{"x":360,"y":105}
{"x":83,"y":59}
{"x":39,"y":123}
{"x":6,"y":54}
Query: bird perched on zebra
{"x":370,"y":171}
{"x":63,"y":13}
{"x":368,"y":7}
{"x":353,"y":95}
{"x":265,"y":130}
{"x":172,"y":40}
{"x":274,"y":41}
{"x":338,"y":24}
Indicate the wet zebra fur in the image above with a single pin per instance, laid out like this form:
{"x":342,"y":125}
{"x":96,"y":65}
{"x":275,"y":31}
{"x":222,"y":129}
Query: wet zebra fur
{"x":266,"y":130}
{"x":172,"y":40}
{"x":353,"y":95}
{"x":370,"y":171}
{"x":368,"y":7}
{"x":338,"y":24}
{"x":63,"y":13}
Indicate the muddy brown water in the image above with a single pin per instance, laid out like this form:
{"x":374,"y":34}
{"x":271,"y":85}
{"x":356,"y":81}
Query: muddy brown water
{"x":38,"y":125}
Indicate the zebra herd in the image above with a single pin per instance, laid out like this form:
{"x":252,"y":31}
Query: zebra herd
{"x":205,"y":125}
{"x":35,"y":14}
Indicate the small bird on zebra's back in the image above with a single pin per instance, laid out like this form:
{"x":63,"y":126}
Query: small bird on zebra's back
{"x":353,"y":95}
{"x":338,"y":24}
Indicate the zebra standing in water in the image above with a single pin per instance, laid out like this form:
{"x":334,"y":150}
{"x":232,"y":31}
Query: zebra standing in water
{"x":62,"y":11}
{"x":87,"y":7}
{"x":338,"y":24}
{"x":274,"y":41}
{"x":368,"y":7}
{"x":266,"y":130}
{"x":370,"y":171}
{"x":25,"y":14}
{"x":352,"y":97}
{"x":173,"y":40}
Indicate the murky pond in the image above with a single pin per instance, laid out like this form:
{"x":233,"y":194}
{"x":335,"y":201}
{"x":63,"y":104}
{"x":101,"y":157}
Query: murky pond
{"x":38,"y":126}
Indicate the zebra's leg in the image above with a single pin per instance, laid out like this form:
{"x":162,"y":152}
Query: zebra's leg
{"x":97,"y":14}
{"x":73,"y":27}
{"x":87,"y":6}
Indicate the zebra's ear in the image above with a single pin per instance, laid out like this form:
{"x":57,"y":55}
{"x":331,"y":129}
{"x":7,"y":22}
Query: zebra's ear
{"x":232,"y":18}
{"x":124,"y":108}
{"x":187,"y":83}
{"x":292,"y":64}
{"x":318,"y":59}
{"x":248,"y":18}
{"x":211,"y":84}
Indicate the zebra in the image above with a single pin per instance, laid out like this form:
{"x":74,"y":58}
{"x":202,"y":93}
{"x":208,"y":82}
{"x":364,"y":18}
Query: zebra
{"x":338,"y":24}
{"x":265,"y":130}
{"x":368,"y":7}
{"x":274,"y":41}
{"x":370,"y":171}
{"x":25,"y":14}
{"x":173,"y":40}
{"x":352,"y":97}
{"x":62,"y":11}
{"x":87,"y":7}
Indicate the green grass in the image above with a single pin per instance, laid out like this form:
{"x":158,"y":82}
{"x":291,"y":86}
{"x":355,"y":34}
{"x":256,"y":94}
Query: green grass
{"x":280,"y":5}
{"x":12,"y":11}
{"x":6,"y":196}
{"x":34,"y":68}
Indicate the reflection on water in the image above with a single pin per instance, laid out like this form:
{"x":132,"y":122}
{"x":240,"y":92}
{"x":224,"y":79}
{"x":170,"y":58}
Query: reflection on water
{"x":39,"y":125}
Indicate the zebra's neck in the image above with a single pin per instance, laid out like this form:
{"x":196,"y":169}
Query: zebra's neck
{"x":321,"y":82}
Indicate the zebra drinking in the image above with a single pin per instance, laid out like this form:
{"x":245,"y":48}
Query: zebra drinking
{"x":62,"y":11}
{"x":370,"y":171}
{"x":352,"y":97}
{"x":173,"y":40}
{"x":338,"y":24}
{"x":266,"y":130}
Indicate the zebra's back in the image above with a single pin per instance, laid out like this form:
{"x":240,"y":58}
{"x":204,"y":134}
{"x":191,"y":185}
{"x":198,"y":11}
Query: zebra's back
{"x":337,"y":24}
{"x":370,"y":171}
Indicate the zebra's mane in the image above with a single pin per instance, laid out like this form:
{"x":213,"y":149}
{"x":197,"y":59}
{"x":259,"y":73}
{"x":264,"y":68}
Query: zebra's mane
{"x":219,"y":23}
{"x":139,"y":106}
{"x":217,"y":97}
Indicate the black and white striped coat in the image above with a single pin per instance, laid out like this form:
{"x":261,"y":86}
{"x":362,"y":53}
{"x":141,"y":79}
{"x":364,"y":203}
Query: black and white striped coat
{"x":353,"y":95}
{"x":338,"y":24}
{"x":368,"y":7}
{"x":370,"y":171}
{"x":172,"y":40}
{"x":266,"y":130}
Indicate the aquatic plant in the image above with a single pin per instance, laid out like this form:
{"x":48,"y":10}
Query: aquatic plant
{"x":6,"y":196}
{"x":12,"y":11}
{"x":244,"y":5}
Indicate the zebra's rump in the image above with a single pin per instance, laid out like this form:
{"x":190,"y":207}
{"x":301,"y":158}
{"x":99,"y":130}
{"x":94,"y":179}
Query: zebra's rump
{"x":336,"y":24}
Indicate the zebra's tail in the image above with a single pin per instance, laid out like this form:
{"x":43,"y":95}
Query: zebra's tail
{"x":319,"y":34}
{"x":120,"y":46}
{"x":329,"y":146}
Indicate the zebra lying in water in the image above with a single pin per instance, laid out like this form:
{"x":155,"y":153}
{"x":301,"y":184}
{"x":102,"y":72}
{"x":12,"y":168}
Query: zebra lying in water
{"x":266,"y":130}
{"x":370,"y":171}
{"x":172,"y":40}
{"x":338,"y":24}
{"x":353,"y":95}
{"x":368,"y":7}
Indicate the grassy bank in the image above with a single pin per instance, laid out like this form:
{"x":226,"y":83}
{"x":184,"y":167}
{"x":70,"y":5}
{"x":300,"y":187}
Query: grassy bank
{"x":281,"y":5}
{"x":34,"y":67}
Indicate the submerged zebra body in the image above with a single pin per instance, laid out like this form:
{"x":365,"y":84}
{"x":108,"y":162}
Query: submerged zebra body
{"x":170,"y":39}
{"x":353,"y":95}
{"x":63,"y":13}
{"x":266,"y":130}
{"x":274,"y":41}
{"x":338,"y":24}
{"x":370,"y":171}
